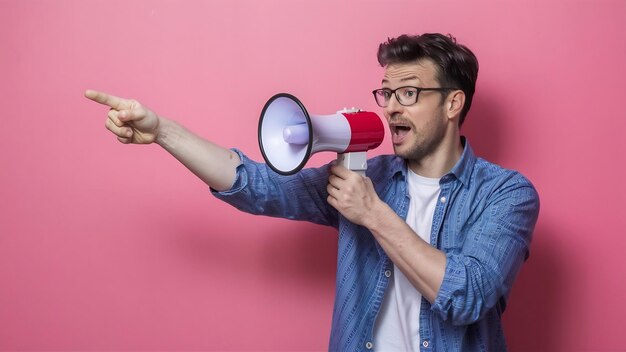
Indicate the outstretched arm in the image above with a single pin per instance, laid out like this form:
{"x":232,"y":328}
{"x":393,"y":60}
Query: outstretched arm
{"x":134,"y":123}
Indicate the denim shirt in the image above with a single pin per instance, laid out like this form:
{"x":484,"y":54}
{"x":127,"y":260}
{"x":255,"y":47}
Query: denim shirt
{"x":483,"y":222}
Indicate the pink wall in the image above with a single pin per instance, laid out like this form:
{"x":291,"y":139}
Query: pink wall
{"x":108,"y":247}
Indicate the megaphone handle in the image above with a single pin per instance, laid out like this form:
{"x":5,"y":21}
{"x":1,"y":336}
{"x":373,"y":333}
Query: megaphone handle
{"x":355,"y":161}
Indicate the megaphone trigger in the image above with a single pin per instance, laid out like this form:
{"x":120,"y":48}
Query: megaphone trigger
{"x":355,"y":161}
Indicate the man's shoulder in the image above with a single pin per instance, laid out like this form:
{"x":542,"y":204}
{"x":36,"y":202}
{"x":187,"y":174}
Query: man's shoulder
{"x":495,"y":178}
{"x":491,"y":170}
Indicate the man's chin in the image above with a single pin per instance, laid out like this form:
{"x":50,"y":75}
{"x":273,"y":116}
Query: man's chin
{"x":408,"y":153}
{"x":399,"y":151}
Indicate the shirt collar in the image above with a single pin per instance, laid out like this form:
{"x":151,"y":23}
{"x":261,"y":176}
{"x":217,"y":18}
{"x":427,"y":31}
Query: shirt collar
{"x":462,"y":170}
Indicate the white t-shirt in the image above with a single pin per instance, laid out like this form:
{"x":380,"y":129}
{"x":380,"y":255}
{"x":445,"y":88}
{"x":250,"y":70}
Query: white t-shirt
{"x":397,"y":324}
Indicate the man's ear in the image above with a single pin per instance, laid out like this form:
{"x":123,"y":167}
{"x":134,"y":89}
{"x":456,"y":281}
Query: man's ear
{"x":455,"y":103}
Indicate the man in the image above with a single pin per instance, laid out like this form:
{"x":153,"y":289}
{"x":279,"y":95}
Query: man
{"x":430,"y":241}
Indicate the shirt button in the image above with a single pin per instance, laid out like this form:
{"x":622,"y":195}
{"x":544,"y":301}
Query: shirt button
{"x":388,"y":273}
{"x":369,"y":345}
{"x":442,"y":199}
{"x":425,"y":343}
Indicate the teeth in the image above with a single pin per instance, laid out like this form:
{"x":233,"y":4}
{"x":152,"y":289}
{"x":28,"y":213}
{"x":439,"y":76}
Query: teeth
{"x":401,"y":128}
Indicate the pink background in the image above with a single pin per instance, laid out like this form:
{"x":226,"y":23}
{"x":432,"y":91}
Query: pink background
{"x":105,"y":246}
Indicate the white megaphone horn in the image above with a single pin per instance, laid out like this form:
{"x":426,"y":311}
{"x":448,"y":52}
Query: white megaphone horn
{"x":288,"y":135}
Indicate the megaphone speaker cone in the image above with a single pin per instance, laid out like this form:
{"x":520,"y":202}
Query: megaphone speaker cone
{"x":285,"y":134}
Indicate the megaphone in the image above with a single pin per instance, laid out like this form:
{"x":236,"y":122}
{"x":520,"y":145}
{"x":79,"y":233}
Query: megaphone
{"x":288,"y":135}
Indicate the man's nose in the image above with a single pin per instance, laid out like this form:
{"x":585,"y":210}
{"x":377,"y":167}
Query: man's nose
{"x":393,"y":106}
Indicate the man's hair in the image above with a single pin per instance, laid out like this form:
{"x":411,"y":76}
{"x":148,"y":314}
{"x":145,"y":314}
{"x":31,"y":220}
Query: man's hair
{"x":457,"y":66}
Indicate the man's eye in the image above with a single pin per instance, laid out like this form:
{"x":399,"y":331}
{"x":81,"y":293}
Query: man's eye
{"x":409,"y":93}
{"x":386,"y":94}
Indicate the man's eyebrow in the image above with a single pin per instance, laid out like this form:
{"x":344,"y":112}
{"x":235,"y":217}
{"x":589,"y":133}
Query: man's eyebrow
{"x":410,"y":78}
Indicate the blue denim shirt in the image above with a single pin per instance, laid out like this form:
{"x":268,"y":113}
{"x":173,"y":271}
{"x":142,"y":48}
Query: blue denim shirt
{"x":483,"y":222}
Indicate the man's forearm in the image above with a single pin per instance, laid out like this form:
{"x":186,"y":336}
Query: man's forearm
{"x":214,"y":165}
{"x":423,"y":265}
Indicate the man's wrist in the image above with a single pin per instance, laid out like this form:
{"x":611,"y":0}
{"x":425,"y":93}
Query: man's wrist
{"x":165,"y":133}
{"x":379,"y":212}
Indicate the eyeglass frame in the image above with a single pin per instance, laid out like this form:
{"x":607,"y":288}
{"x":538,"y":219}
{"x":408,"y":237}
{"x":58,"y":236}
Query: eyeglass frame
{"x":418,"y":91}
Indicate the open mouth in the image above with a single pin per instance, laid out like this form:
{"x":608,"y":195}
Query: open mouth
{"x":399,"y":132}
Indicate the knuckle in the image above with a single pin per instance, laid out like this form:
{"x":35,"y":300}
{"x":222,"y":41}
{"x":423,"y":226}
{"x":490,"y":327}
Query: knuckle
{"x":135,"y":104}
{"x":107,"y":124}
{"x":113,"y":117}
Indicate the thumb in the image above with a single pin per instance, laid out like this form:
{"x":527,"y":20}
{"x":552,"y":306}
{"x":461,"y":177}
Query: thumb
{"x":132,"y":114}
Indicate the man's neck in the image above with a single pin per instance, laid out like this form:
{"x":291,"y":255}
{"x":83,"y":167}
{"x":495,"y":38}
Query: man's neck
{"x":442,"y":160}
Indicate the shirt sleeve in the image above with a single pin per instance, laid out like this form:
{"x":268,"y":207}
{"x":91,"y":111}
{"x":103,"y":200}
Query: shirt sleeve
{"x":259,"y":190}
{"x":480,"y":275}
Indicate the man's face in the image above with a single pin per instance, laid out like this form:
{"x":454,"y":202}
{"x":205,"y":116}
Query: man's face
{"x":417,"y":130}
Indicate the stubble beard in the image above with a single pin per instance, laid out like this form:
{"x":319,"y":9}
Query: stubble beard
{"x":426,"y":141}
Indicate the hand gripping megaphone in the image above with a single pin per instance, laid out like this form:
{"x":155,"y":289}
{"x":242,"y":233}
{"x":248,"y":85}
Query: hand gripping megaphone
{"x":288,"y":135}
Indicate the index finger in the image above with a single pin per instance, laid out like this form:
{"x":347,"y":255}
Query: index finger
{"x":106,"y":99}
{"x":340,"y":171}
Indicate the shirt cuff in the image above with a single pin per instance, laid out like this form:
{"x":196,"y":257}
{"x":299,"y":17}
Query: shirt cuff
{"x":241,"y":177}
{"x":455,"y":276}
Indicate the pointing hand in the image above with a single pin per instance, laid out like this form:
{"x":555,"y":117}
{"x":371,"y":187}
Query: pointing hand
{"x":130,"y":121}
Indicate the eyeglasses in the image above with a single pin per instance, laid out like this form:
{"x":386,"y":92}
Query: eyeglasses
{"x":405,"y":95}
